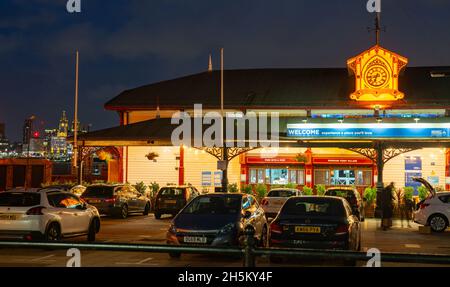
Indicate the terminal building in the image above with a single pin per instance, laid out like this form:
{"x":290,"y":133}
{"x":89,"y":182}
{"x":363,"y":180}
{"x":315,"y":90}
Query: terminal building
{"x":374,"y":119}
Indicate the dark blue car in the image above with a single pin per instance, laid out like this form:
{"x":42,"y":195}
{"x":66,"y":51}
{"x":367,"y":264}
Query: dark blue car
{"x":218,"y":219}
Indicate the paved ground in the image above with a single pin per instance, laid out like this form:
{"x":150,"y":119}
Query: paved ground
{"x":140,"y":229}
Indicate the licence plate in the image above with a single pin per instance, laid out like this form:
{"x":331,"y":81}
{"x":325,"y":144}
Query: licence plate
{"x":193,"y":239}
{"x":307,"y":229}
{"x":8,"y":217}
{"x":170,"y":201}
{"x":94,"y":201}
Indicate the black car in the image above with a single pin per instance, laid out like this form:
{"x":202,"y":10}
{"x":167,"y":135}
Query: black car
{"x":218,"y":219}
{"x":171,"y":199}
{"x":322,"y":222}
{"x":353,"y":197}
{"x":116,"y":199}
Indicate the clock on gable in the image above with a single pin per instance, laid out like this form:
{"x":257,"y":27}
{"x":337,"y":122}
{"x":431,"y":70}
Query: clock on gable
{"x":376,"y":74}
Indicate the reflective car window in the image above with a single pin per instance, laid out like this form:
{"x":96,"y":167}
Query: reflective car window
{"x":171,"y":191}
{"x":245,"y":203}
{"x":214,"y":205}
{"x":99,"y":191}
{"x":19,"y":199}
{"x":64,"y":201}
{"x":281,"y":193}
{"x":313,"y":207}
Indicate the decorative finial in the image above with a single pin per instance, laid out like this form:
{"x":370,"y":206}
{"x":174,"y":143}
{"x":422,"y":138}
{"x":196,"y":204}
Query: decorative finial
{"x":210,"y":68}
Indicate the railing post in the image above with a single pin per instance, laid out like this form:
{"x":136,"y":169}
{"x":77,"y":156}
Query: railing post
{"x":249,"y":257}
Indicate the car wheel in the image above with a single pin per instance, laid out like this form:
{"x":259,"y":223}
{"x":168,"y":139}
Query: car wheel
{"x":175,"y":255}
{"x":92,"y":230}
{"x":157,"y":215}
{"x":124,"y":212}
{"x":438,"y":223}
{"x":53,"y":232}
{"x":264,"y":242}
{"x":147,"y":209}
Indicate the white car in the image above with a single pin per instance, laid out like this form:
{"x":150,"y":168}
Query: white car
{"x":434,"y":211}
{"x":275,"y":199}
{"x":48,"y":214}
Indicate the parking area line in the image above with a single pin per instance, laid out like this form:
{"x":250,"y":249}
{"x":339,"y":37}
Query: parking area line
{"x":412,"y":245}
{"x":42,"y":258}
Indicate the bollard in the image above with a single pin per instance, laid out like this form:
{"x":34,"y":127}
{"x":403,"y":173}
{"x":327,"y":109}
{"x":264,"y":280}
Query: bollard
{"x":249,"y":257}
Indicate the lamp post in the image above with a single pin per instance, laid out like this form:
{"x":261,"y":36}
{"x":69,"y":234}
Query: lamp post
{"x":224,"y":164}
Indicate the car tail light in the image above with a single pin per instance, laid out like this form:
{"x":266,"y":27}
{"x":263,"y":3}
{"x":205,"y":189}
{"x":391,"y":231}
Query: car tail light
{"x":342,"y":229}
{"x":276,"y":228}
{"x":111,"y":200}
{"x":423,"y":205}
{"x":264,"y":201}
{"x":35,"y":211}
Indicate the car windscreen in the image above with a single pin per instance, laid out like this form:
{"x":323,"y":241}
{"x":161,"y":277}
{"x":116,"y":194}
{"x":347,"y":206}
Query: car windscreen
{"x":281,"y":193}
{"x":19,"y":199}
{"x":345,"y":193}
{"x":211,"y":205}
{"x":99,"y":191}
{"x":171,"y":192}
{"x":313,"y":207}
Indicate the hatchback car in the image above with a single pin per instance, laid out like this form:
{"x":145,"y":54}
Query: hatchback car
{"x":118,"y":200}
{"x":47,"y":214}
{"x":218,"y":219}
{"x":353,"y":197}
{"x":434,"y":211}
{"x":171,"y":199}
{"x":323,"y":222}
{"x":275,"y":199}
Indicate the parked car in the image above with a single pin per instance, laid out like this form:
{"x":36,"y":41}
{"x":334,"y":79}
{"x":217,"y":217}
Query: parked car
{"x":434,"y":211}
{"x":47,"y":214}
{"x":118,"y":200}
{"x":218,"y":219}
{"x":353,"y":197}
{"x":171,"y":199}
{"x":322,"y":222}
{"x":275,"y":199}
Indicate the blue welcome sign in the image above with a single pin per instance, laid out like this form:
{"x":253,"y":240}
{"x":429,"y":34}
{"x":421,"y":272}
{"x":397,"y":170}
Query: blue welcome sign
{"x":369,"y":131}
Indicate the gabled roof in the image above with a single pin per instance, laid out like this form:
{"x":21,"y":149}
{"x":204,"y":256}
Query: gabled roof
{"x":280,"y":89}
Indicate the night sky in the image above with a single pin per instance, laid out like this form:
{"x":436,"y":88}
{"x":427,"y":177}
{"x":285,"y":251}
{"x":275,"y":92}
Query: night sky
{"x":128,"y":43}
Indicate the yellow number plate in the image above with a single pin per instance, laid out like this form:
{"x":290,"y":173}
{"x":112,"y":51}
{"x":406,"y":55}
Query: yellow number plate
{"x":307,"y":229}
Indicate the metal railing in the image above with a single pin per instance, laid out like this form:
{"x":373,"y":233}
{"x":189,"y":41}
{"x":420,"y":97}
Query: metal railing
{"x":249,"y":251}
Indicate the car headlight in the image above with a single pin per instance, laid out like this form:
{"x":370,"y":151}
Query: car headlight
{"x":227,"y":228}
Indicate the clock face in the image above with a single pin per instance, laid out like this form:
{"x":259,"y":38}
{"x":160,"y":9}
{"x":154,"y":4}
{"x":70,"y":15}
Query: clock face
{"x":377,"y":76}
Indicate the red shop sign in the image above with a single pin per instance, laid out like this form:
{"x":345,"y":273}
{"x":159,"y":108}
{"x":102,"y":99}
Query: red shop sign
{"x":350,"y":161}
{"x":272,"y":160}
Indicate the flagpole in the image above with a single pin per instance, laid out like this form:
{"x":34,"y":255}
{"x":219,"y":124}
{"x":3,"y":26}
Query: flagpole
{"x":75,"y":124}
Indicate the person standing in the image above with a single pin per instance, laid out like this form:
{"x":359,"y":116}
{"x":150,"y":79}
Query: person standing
{"x":387,"y":206}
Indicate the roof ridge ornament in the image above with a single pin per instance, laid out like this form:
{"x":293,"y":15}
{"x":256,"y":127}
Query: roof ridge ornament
{"x":210,"y":68}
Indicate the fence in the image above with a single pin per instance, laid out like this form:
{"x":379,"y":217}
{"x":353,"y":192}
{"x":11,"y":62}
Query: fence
{"x":249,"y":251}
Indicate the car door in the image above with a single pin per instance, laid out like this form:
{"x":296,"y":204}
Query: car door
{"x":141,"y":200}
{"x":82,"y":216}
{"x":260,"y":218}
{"x":62,"y":202}
{"x":354,"y":226}
{"x":130,"y":198}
